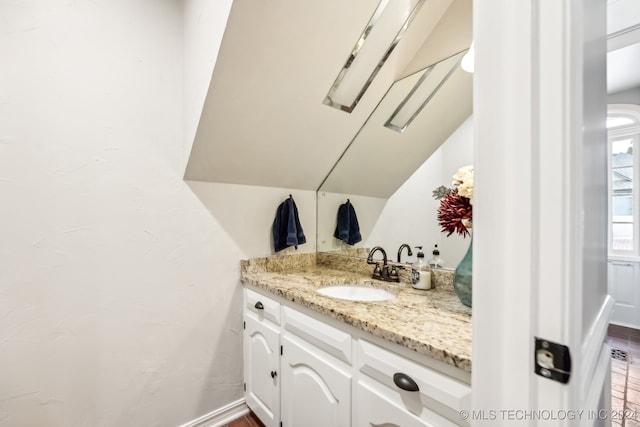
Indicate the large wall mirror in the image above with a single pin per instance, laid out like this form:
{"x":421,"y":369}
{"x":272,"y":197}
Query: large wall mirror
{"x":392,"y":165}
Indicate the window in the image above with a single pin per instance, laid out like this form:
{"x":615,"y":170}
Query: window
{"x":623,"y":125}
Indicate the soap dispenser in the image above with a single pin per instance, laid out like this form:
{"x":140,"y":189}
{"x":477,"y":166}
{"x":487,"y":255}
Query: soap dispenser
{"x":420,"y":274}
{"x":435,"y":261}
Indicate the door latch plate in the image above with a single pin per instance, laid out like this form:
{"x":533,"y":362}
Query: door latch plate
{"x":552,"y":360}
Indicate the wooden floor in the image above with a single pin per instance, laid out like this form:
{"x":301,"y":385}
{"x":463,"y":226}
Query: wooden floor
{"x":625,"y":375}
{"x":249,"y":420}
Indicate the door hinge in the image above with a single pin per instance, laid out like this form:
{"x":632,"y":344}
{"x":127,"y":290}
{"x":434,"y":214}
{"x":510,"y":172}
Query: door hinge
{"x":280,"y":423}
{"x":245,"y":386}
{"x":281,"y":350}
{"x":244,"y":325}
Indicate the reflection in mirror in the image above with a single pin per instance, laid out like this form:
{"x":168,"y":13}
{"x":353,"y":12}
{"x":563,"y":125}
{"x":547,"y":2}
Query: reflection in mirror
{"x":432,"y":79}
{"x":389,"y":176}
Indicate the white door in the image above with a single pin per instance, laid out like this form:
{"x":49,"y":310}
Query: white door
{"x":315,"y":391}
{"x":261,"y":364}
{"x":540,"y":214}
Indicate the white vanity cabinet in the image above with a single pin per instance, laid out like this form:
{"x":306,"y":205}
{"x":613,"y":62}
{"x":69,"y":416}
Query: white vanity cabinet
{"x":327,"y":375}
{"x":262,"y":357}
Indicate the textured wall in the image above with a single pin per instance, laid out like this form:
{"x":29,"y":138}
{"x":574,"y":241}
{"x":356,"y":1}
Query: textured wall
{"x":119,"y":289}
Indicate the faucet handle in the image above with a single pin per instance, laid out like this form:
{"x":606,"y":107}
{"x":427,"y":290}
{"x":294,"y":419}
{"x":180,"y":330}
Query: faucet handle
{"x":393,"y":274}
{"x":377,"y":272}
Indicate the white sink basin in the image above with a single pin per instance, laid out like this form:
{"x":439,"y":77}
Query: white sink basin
{"x":357,"y":293}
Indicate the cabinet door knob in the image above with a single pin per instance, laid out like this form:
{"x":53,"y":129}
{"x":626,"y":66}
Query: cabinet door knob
{"x":259,"y":306}
{"x":274,"y":374}
{"x":405,"y":382}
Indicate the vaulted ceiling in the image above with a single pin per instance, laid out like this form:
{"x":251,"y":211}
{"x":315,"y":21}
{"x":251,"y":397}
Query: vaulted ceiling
{"x":263,"y":121}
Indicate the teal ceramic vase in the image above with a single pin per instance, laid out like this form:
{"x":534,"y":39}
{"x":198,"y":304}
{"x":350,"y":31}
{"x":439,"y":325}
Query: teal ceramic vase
{"x":462,"y":277}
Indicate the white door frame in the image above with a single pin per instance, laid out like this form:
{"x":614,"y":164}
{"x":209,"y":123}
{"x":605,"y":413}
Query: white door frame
{"x":539,"y":218}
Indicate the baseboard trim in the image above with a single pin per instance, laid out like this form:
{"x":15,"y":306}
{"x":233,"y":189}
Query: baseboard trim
{"x":221,"y":416}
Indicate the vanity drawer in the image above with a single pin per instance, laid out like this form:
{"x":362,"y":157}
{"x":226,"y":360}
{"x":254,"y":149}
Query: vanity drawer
{"x":264,"y":307}
{"x":434,"y":390}
{"x":327,"y":338}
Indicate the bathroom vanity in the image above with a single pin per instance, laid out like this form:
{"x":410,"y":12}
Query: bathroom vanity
{"x":316,"y":360}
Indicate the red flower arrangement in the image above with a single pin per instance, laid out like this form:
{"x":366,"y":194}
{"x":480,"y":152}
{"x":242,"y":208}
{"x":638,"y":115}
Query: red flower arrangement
{"x":454,"y":214}
{"x":456,"y":211}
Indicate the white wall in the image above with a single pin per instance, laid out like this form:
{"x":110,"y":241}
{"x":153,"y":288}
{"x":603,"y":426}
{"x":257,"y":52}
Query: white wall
{"x":594,"y":212}
{"x":204,"y":25}
{"x":410,"y":214}
{"x":119,"y":290}
{"x":630,"y":96}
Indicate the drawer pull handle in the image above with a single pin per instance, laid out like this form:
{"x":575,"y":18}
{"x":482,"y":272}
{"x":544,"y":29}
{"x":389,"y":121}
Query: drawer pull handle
{"x":405,"y":382}
{"x":274,"y":374}
{"x":259,"y":306}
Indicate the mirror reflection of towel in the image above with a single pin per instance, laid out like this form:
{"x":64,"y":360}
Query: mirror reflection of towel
{"x":286,"y":229}
{"x":347,"y":228}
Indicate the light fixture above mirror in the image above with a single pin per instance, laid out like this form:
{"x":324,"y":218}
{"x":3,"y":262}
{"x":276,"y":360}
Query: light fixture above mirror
{"x":381,"y":35}
{"x":468,"y":60}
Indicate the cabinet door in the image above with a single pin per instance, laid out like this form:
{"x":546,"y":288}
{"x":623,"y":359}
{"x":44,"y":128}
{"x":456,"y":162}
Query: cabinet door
{"x":374,"y":407}
{"x":261,"y":368}
{"x":316,"y":388}
{"x":623,"y":287}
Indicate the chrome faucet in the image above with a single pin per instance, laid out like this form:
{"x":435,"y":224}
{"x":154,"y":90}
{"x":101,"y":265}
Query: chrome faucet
{"x":382,"y":273}
{"x":402,"y":246}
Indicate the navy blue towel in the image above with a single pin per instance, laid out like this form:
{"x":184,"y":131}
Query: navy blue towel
{"x":287,"y":230}
{"x":347,"y":228}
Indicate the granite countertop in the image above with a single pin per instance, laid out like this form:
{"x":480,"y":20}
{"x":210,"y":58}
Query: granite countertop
{"x":432,"y":322}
